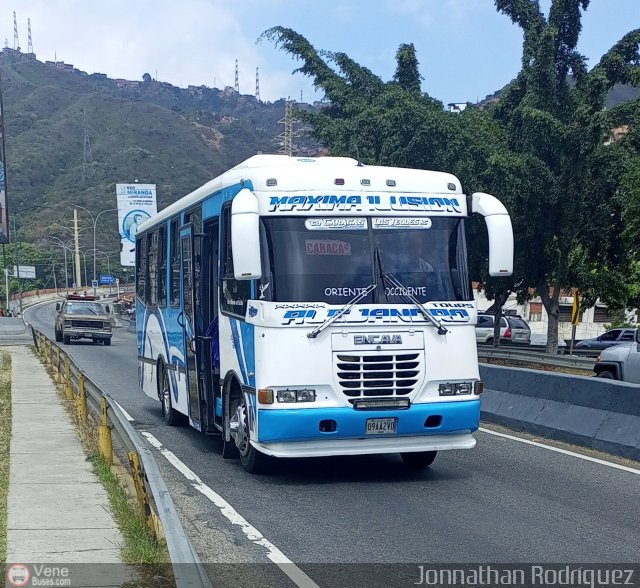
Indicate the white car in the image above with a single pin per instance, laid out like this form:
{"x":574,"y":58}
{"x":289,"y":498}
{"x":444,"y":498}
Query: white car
{"x":513,"y":329}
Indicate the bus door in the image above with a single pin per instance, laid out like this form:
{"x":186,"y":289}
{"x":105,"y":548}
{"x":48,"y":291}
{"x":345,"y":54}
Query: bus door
{"x":208,"y":345}
{"x":190,"y":286}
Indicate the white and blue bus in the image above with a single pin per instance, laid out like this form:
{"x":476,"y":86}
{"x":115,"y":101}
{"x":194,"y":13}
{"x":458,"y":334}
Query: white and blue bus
{"x":307,"y":307}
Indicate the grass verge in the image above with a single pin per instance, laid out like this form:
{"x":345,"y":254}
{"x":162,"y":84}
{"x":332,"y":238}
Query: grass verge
{"x":150,"y":557}
{"x":5,"y":439}
{"x":140,"y":547}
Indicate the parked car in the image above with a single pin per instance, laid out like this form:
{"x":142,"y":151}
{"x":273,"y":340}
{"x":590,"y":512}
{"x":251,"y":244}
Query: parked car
{"x":513,"y":329}
{"x":608,"y":339}
{"x":620,"y":362}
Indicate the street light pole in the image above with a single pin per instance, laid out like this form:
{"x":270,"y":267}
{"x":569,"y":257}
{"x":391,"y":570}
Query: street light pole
{"x":65,"y":247}
{"x":95,"y":224}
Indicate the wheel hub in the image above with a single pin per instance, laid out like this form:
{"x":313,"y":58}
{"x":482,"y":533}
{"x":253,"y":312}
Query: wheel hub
{"x":166,"y":401}
{"x":238,"y":426}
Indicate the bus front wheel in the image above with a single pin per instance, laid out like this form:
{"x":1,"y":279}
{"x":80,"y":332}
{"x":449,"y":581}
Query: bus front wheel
{"x":418,"y":460}
{"x":252,"y":460}
{"x":171,"y":416}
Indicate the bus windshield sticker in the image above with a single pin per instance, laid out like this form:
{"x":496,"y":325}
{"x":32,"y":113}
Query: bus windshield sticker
{"x":336,"y":224}
{"x":399,"y":222}
{"x":327,"y":247}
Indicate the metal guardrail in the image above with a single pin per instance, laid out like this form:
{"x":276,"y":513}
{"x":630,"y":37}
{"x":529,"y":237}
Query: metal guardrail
{"x":187,"y":568}
{"x":536,"y":357}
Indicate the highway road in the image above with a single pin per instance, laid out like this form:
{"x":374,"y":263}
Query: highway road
{"x":505,"y":501}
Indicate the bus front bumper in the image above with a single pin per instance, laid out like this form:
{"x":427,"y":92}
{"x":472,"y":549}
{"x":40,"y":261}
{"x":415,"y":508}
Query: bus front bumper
{"x":298,"y":432}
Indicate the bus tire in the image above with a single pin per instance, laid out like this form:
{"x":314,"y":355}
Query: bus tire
{"x":418,"y":460}
{"x":66,"y":339}
{"x":171,"y":416}
{"x":58,"y":336}
{"x":252,"y":460}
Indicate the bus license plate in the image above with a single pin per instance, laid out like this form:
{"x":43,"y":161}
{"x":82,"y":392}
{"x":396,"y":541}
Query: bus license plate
{"x":382,"y":426}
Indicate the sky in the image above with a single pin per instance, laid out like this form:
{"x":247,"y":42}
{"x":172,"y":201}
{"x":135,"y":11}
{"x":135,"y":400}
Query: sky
{"x":466,"y":49}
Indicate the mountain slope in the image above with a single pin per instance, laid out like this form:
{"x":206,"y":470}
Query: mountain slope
{"x":154,"y":133}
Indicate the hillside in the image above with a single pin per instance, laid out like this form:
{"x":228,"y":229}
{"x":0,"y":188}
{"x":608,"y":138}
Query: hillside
{"x":155,"y":132}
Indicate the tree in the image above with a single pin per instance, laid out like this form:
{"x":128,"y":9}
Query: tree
{"x":568,"y":178}
{"x":395,"y":124}
{"x":542,"y":149}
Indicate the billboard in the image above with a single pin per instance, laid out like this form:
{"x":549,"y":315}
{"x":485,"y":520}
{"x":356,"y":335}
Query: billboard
{"x":4,"y":215}
{"x":136,"y":203}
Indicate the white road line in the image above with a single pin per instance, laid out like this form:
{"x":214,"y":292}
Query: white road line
{"x":563,"y":451}
{"x":297,"y":576}
{"x":124,"y":412}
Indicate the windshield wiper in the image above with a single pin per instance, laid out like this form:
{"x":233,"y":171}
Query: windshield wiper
{"x":370,"y":288}
{"x":442,"y":330}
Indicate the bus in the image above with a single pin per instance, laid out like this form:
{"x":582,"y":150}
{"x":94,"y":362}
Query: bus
{"x":305,"y":307}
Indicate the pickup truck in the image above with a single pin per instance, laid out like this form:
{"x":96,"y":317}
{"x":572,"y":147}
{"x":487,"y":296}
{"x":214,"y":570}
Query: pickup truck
{"x":621,"y":362}
{"x":82,"y":317}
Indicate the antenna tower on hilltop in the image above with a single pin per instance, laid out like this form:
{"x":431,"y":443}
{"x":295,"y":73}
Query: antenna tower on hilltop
{"x":237,"y":85}
{"x":30,"y":42}
{"x":16,"y":41}
{"x":258,"y":85}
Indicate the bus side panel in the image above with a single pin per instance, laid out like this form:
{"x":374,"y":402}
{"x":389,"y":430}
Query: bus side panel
{"x":237,"y":354}
{"x":160,"y":338}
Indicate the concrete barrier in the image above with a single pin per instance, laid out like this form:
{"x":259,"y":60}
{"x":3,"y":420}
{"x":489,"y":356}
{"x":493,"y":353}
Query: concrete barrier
{"x":593,"y":412}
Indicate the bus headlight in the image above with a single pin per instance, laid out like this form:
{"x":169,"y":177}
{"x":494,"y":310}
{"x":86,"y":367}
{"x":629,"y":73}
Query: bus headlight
{"x":456,"y":389}
{"x":286,"y":395}
{"x":304,"y":395}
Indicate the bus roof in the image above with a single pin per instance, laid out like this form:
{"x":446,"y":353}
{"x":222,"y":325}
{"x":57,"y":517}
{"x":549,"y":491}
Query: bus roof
{"x":314,"y":173}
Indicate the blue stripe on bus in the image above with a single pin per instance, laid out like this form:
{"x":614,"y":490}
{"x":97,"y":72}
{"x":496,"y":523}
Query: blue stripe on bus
{"x":247,"y":331}
{"x":237,"y":345}
{"x":299,"y":424}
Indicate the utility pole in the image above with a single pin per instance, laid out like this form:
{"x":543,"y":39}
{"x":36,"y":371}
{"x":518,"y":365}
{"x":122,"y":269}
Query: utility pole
{"x":87,"y":156}
{"x":55,"y":282}
{"x":77,"y":248}
{"x":258,"y":84}
{"x":286,"y":138}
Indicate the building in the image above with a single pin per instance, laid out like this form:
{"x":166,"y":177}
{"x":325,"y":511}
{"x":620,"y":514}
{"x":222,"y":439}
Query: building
{"x":592,"y":324}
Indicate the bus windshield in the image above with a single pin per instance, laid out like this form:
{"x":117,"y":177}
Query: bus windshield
{"x":332,"y":260}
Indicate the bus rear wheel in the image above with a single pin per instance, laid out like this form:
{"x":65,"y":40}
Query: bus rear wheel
{"x":418,"y":460}
{"x":252,"y":460}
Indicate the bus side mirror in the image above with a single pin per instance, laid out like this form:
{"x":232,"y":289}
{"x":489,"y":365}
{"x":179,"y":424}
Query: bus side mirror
{"x":245,"y":236}
{"x":58,"y":305}
{"x":500,"y":232}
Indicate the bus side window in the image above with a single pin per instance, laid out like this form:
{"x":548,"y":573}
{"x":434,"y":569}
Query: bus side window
{"x":235,"y":293}
{"x":141,"y":267}
{"x":174,"y":257}
{"x":152,"y":261}
{"x":162,"y":265}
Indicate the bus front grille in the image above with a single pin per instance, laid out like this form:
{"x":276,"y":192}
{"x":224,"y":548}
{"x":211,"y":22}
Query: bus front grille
{"x":378,"y":375}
